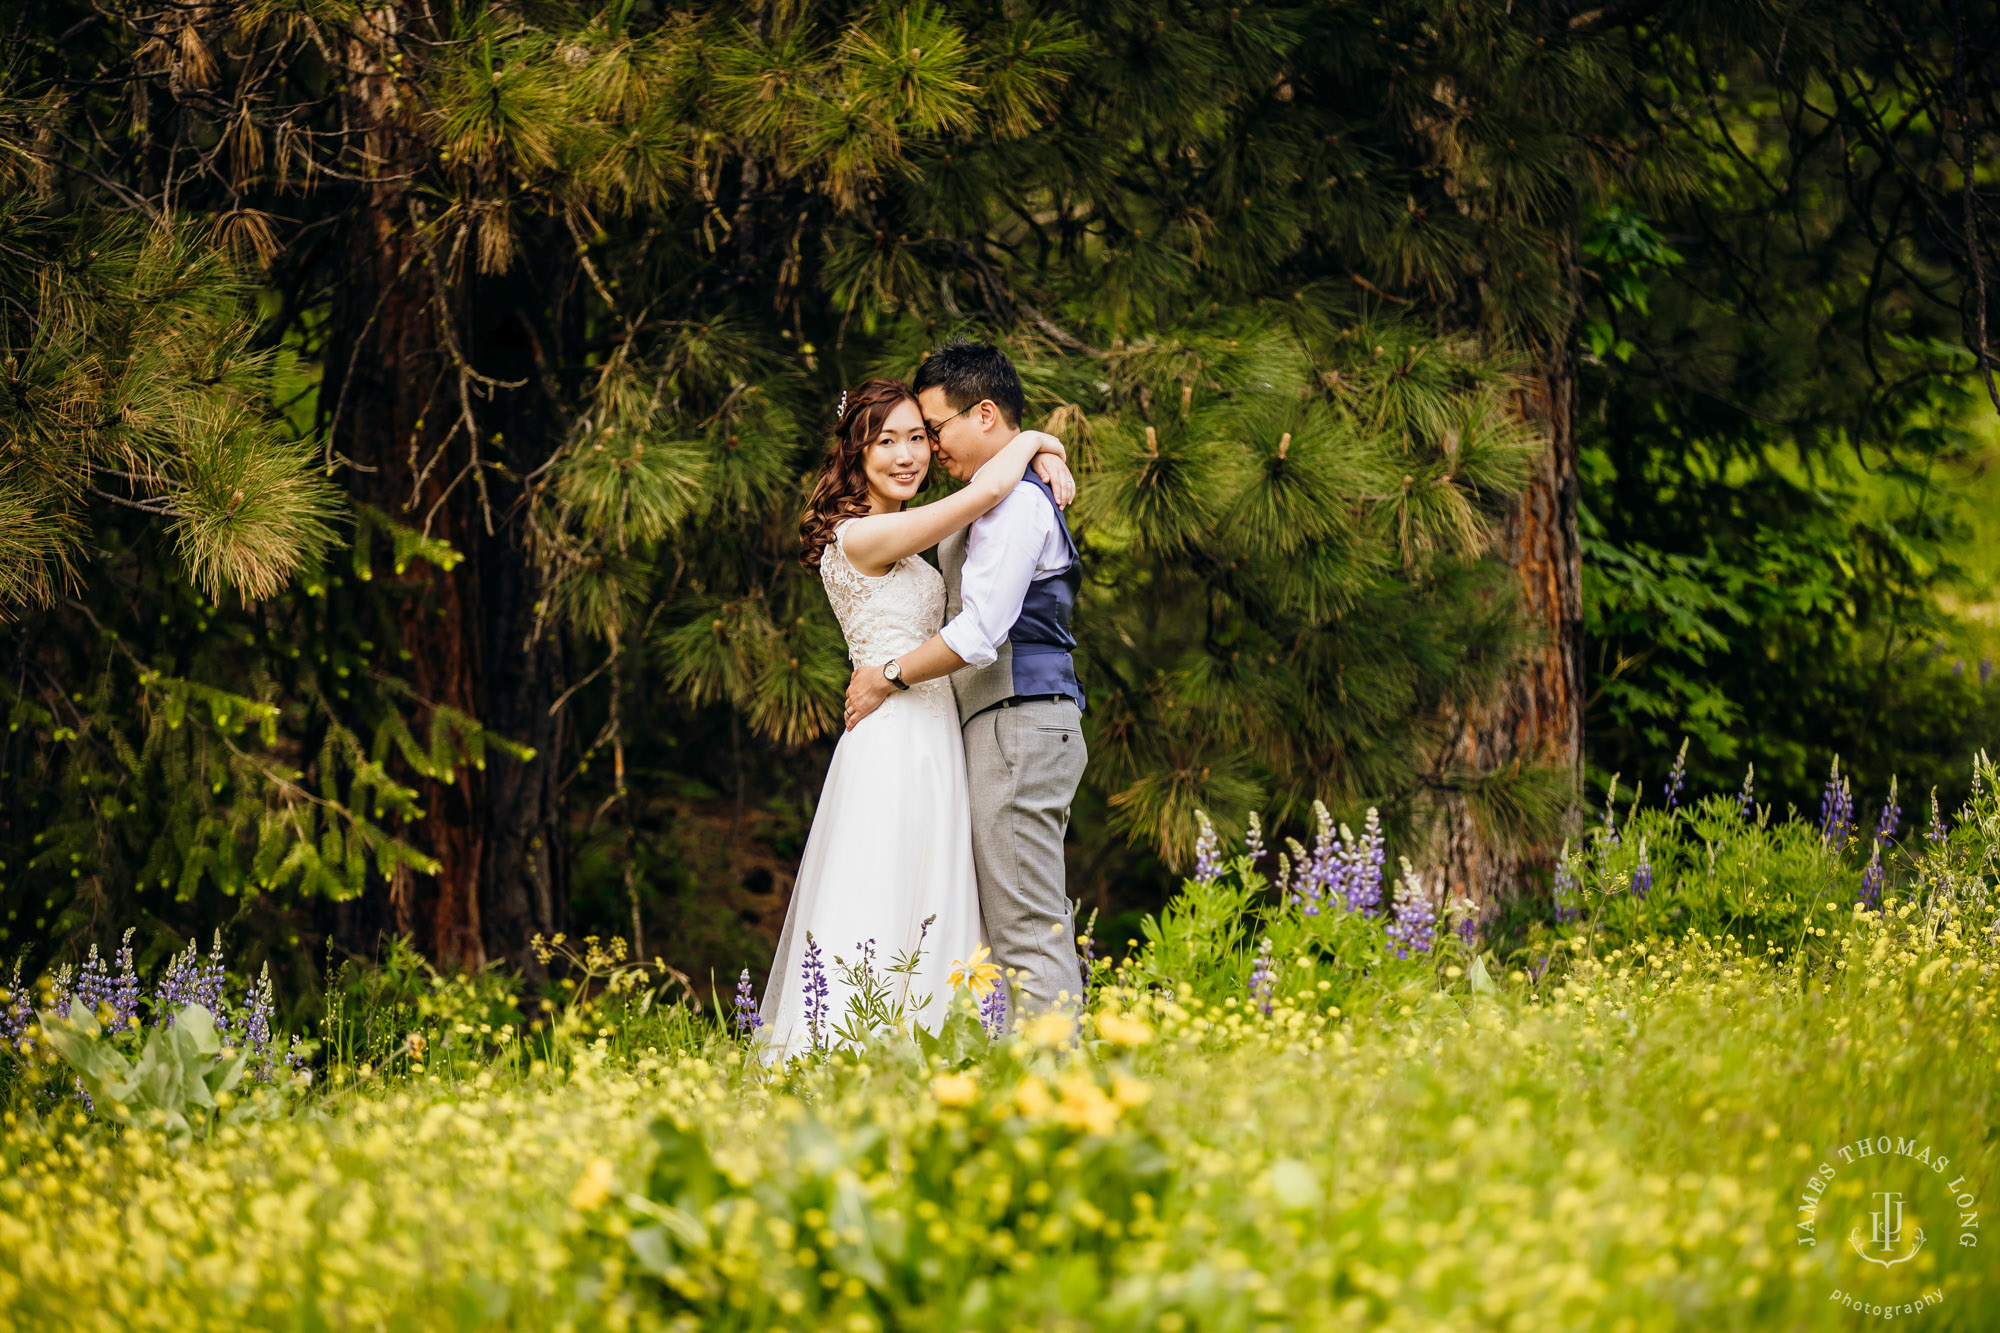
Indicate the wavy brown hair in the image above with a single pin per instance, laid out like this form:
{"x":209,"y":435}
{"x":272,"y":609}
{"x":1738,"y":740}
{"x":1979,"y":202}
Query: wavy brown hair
{"x":842,"y":489}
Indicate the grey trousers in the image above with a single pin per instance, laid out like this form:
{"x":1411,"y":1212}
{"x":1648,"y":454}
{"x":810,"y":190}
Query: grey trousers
{"x":1023,"y":764}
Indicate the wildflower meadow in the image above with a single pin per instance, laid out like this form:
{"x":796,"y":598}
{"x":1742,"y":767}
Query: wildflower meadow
{"x":1292,"y":1102}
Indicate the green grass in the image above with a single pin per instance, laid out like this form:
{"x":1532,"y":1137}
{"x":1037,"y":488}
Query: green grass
{"x":1975,"y":603}
{"x":1622,"y":1151}
{"x":1620,"y":1142}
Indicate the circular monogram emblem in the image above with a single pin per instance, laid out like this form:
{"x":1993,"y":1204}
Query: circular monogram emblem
{"x":1889,"y":1202}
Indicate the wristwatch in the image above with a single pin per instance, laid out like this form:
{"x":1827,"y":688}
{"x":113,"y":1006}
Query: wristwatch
{"x":893,"y":673}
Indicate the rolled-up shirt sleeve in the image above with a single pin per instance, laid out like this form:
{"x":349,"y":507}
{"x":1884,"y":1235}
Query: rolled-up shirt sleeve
{"x":1002,"y":553}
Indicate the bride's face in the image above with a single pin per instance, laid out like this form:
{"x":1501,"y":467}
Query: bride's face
{"x":899,"y":458}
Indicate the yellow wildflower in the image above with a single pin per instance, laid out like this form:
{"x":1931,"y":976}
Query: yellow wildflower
{"x":593,"y":1187}
{"x":1033,"y":1097}
{"x":954,"y":1090}
{"x":1120,"y":1030}
{"x":979,"y":974}
{"x":1084,"y":1106}
{"x":1129,"y":1092}
{"x":1050,"y":1030}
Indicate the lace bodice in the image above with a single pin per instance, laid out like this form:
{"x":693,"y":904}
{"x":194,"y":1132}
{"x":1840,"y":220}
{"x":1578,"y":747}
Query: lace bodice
{"x":885,"y":616}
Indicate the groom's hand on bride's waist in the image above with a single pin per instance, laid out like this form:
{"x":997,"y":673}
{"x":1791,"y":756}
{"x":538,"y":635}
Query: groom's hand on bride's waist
{"x":866,"y":689}
{"x":868,"y":686}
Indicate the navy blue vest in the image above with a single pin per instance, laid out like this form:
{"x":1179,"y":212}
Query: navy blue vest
{"x":1035,"y":656}
{"x":1041,"y":638}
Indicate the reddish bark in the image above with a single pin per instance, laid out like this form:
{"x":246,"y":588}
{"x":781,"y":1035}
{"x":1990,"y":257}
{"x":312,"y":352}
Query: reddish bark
{"x":1536,"y":716}
{"x":406,"y":326}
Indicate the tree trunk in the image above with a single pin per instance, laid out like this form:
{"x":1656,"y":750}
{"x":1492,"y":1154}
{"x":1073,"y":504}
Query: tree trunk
{"x":1536,"y":716}
{"x":429,"y":442}
{"x":515,"y":340}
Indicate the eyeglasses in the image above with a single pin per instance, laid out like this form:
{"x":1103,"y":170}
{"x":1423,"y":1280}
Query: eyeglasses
{"x":936,"y":426}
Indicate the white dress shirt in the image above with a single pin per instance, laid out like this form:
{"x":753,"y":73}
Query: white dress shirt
{"x":1015,"y":543}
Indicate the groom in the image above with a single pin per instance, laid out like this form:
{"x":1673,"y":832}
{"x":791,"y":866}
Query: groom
{"x":1011,"y":581}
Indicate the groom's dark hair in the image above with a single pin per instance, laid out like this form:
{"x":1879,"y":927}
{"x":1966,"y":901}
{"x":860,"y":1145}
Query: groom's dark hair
{"x":968,"y":372}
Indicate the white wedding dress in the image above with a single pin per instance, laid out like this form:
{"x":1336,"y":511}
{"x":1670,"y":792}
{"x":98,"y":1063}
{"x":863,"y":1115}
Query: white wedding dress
{"x":891,"y":841}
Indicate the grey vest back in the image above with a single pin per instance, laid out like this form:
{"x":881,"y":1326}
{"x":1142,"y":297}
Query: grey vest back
{"x":1035,"y":659}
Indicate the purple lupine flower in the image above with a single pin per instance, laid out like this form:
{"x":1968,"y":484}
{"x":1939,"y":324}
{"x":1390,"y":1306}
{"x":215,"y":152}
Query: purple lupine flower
{"x":259,"y":1006}
{"x":16,"y":1013}
{"x":1260,"y":976}
{"x":113,"y":997}
{"x":1876,"y":875}
{"x":1746,"y":802}
{"x":1416,"y":919}
{"x":748,"y":1020}
{"x":1335,"y":860}
{"x":1365,"y":864}
{"x":1253,"y":841}
{"x":1305,"y":890}
{"x":1676,"y":776}
{"x":1467,"y":924}
{"x":1642,"y":874}
{"x":1318,"y":877}
{"x":1566,"y":894}
{"x":210,"y":982}
{"x":993,"y":1012}
{"x":1937,"y":831}
{"x":177,"y":987}
{"x":1284,"y":879}
{"x":1836,"y":808}
{"x":1608,"y":832}
{"x":62,"y":989}
{"x":1207,"y":851}
{"x":93,"y":984}
{"x":813,"y":972}
{"x":1985,"y":670}
{"x":1873,"y":877}
{"x":191,"y":979}
{"x":124,"y":995}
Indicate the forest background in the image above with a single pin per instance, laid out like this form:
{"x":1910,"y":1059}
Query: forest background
{"x":407,"y":407}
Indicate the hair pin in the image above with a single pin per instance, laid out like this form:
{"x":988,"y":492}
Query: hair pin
{"x":840,"y":413}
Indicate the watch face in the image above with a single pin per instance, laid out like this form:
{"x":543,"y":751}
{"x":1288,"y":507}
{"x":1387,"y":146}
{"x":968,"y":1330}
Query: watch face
{"x":893,"y":671}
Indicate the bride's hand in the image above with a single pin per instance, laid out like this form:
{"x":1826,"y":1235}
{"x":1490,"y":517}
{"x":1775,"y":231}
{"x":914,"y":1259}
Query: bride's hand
{"x":1056,"y":473}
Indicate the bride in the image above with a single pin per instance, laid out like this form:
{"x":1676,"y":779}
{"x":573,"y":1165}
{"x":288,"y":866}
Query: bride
{"x":887,"y":871}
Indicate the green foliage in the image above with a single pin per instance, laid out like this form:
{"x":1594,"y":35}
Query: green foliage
{"x":182,"y":1084}
{"x":1775,"y":885}
{"x":134,"y":374}
{"x":371,"y":1013}
{"x":1163,"y":1157}
{"x":1783,"y":367}
{"x":1205,"y":943}
{"x":175,"y":760}
{"x":1285,"y":276}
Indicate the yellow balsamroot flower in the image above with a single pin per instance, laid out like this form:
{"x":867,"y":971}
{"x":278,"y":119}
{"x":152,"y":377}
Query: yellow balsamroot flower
{"x":1084,"y":1106}
{"x":1129,"y":1092}
{"x":1120,"y":1030}
{"x":979,"y":974}
{"x":593,"y":1187}
{"x":1033,"y":1097}
{"x":1050,"y":1030}
{"x":954,"y":1090}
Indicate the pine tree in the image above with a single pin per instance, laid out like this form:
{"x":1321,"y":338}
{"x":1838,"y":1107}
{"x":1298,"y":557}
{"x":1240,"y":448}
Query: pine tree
{"x":581,"y":282}
{"x":133,"y":377}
